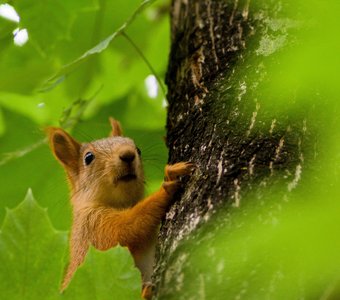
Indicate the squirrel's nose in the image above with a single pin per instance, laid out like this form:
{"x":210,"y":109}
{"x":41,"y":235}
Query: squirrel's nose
{"x":127,"y":156}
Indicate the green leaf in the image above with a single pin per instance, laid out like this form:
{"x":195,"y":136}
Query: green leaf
{"x":47,"y":21}
{"x":22,"y":69}
{"x":31,"y":258}
{"x":31,"y":253}
{"x":2,"y":123}
{"x":32,"y":107}
{"x":106,"y":275}
{"x":6,"y":28}
{"x":98,"y":48}
{"x":35,"y":164}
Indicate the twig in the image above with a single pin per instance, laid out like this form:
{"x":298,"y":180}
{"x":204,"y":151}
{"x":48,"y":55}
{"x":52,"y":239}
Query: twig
{"x":141,"y":54}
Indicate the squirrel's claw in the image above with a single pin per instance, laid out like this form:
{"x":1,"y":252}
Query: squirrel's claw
{"x":173,"y":172}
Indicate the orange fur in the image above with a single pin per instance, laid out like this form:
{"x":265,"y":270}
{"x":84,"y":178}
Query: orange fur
{"x":108,"y":209}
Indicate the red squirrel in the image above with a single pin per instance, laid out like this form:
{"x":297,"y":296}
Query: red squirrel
{"x":106,"y":180}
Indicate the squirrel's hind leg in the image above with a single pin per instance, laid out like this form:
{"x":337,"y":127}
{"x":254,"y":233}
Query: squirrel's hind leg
{"x":147,"y":291}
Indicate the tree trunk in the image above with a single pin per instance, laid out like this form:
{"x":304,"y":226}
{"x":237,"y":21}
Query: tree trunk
{"x":219,"y":56}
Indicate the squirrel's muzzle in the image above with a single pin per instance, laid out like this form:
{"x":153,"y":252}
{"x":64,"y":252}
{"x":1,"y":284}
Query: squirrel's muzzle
{"x":127,"y":156}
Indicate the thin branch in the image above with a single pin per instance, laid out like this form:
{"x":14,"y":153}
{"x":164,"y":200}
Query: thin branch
{"x":70,"y":118}
{"x":68,"y":68}
{"x":20,"y":153}
{"x":67,"y":120}
{"x":141,"y":54}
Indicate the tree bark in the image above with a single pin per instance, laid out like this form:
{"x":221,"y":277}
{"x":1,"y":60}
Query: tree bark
{"x":218,"y":58}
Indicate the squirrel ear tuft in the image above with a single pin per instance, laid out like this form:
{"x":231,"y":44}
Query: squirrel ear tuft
{"x":116,"y":127}
{"x":65,"y":148}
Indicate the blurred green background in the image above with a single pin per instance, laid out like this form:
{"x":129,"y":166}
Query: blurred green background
{"x":284,"y":245}
{"x":112,"y":83}
{"x":43,"y":83}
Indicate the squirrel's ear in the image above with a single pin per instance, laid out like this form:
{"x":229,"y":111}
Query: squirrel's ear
{"x":116,"y":128}
{"x":65,"y":148}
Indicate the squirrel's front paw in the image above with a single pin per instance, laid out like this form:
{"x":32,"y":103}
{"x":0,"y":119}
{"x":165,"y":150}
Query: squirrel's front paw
{"x":173,"y":172}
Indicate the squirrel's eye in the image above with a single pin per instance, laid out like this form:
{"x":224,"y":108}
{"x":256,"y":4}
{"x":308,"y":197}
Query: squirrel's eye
{"x":139,"y":152}
{"x":88,"y":158}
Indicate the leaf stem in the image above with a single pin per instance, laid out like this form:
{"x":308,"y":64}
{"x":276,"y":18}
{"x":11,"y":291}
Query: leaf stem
{"x":141,"y":54}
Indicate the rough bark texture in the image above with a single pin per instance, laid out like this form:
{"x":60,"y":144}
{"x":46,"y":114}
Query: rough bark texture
{"x":214,"y":111}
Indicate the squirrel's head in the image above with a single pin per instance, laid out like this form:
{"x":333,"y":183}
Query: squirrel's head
{"x":104,"y":172}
